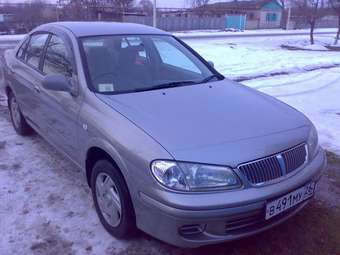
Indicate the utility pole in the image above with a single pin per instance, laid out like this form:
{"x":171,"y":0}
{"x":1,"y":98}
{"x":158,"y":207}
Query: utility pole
{"x":289,"y":15}
{"x":154,"y":23}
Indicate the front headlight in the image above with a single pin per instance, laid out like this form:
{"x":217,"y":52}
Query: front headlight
{"x":194,"y":177}
{"x":313,"y":142}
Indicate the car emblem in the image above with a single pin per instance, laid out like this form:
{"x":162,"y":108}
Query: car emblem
{"x":282,"y":163}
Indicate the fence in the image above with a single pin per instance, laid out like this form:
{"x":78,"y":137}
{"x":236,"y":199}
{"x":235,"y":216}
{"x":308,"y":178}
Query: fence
{"x":181,"y":23}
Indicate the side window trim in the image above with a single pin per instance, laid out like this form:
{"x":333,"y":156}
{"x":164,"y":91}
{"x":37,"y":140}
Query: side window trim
{"x":43,"y":56}
{"x":23,"y":47}
{"x":39,"y":65}
{"x":69,"y":47}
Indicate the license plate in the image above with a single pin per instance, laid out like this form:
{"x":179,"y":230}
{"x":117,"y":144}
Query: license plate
{"x":285,"y":202}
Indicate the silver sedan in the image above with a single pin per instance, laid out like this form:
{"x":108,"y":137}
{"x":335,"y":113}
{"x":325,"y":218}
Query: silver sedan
{"x":168,"y":145}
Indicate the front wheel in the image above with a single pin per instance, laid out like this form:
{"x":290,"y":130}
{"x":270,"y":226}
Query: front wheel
{"x":18,"y":120}
{"x":112,"y":200}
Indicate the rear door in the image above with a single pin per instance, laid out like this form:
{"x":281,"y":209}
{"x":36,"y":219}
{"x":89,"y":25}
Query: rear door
{"x":26,"y":76}
{"x":59,"y":110}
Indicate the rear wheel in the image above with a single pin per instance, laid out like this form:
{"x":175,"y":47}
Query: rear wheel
{"x":18,"y":120}
{"x":112,"y":200}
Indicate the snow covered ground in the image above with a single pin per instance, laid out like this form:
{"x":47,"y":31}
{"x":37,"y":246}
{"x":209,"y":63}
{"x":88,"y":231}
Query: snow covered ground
{"x":45,"y":204}
{"x":246,"y":33}
{"x":315,"y":93}
{"x":245,"y":58}
{"x":9,"y":38}
{"x":320,"y":44}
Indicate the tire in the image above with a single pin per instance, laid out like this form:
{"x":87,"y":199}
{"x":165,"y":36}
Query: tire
{"x":18,"y":120}
{"x":126,"y":225}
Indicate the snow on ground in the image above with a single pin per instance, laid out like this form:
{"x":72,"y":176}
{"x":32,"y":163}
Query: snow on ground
{"x":46,"y":206}
{"x":204,"y":33}
{"x":9,"y":38}
{"x":304,"y":44}
{"x":316,"y":94}
{"x":215,"y":33}
{"x":252,"y":57}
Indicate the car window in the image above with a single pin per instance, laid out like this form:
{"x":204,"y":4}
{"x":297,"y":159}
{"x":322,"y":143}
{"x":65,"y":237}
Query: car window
{"x":35,"y":49}
{"x":22,"y":50}
{"x":122,"y":64}
{"x":173,"y":56}
{"x":57,"y":59}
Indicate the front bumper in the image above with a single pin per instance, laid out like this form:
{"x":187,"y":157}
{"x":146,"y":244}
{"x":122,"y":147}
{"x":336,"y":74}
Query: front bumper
{"x":193,"y":220}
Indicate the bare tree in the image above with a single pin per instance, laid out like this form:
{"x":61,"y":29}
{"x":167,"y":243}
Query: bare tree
{"x":79,"y":9}
{"x":310,"y":10}
{"x":335,"y":4}
{"x":284,"y":13}
{"x":31,"y":14}
{"x":124,"y":4}
{"x":199,"y":3}
{"x":146,"y":6}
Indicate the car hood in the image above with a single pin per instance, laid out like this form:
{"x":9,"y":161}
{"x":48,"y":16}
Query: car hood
{"x":214,"y":122}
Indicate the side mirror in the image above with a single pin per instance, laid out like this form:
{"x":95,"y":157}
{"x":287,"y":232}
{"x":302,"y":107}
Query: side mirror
{"x":211,"y":63}
{"x":57,"y":82}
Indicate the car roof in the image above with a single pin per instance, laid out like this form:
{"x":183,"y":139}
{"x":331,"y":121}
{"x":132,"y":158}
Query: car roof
{"x":83,"y":29}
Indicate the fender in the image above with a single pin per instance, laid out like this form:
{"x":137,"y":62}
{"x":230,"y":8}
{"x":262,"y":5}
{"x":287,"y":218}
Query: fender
{"x":109,"y":149}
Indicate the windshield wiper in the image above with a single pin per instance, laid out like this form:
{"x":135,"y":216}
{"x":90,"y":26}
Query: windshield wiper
{"x":209,"y":78}
{"x":177,"y":84}
{"x":167,"y":85}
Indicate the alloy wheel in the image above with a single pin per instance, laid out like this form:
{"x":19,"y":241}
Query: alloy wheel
{"x":108,"y":199}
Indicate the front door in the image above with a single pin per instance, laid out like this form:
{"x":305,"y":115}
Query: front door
{"x":60,"y":110}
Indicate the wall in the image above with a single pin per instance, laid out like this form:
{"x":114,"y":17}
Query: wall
{"x":252,"y":24}
{"x":253,"y":20}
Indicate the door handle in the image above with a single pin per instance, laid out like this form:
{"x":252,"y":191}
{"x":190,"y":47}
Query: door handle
{"x":37,"y":89}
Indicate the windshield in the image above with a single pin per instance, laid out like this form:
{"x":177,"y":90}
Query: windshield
{"x":118,"y":64}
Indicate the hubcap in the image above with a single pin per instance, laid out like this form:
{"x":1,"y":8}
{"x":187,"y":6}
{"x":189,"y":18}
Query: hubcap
{"x":15,"y":112}
{"x":108,"y":199}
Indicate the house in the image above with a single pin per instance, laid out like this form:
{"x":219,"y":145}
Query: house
{"x":6,"y":20}
{"x":253,"y":14}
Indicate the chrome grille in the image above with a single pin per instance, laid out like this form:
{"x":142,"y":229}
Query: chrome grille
{"x":294,"y":158}
{"x":276,"y":166}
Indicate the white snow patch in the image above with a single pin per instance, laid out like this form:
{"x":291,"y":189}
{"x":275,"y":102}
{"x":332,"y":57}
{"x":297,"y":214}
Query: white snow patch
{"x":245,"y":58}
{"x":316,"y":94}
{"x":46,"y":206}
{"x":7,"y":38}
{"x":246,"y":33}
{"x":320,"y":43}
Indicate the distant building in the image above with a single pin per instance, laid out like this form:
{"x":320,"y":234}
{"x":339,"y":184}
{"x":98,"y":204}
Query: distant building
{"x":6,"y":17}
{"x":254,"y":14}
{"x":6,"y":20}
